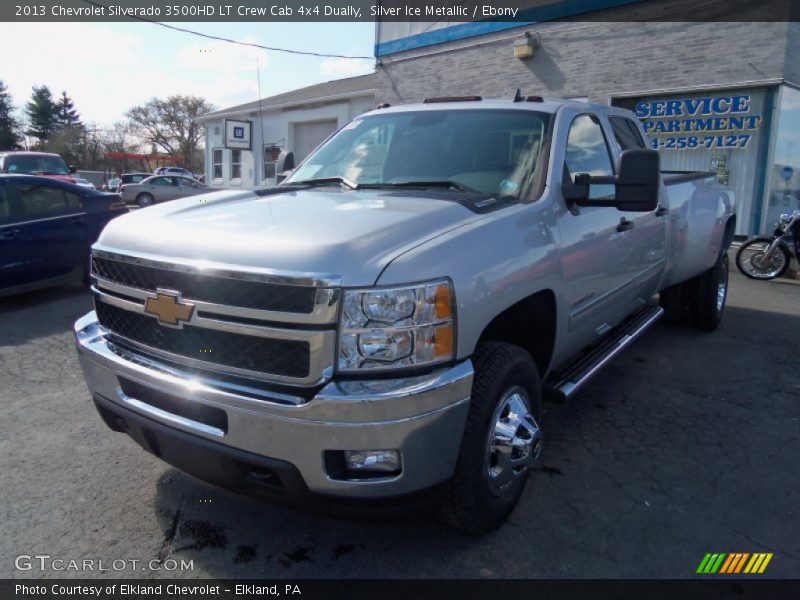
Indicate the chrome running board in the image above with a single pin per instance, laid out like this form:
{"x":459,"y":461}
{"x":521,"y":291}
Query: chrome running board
{"x":563,"y":384}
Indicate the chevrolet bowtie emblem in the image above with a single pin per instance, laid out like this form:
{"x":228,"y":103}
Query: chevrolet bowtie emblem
{"x":169,"y":308}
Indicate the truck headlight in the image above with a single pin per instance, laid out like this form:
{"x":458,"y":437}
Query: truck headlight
{"x":397,"y":327}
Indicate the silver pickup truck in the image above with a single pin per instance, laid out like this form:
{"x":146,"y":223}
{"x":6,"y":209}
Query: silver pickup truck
{"x":382,"y":327}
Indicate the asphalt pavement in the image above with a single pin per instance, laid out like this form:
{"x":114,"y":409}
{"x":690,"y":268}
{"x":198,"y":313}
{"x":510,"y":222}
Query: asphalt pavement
{"x":688,"y":443}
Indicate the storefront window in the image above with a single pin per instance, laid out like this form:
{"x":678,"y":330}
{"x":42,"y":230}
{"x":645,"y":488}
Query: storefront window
{"x":783,"y":175}
{"x":236,"y":164}
{"x":719,"y":131}
{"x":217,"y":163}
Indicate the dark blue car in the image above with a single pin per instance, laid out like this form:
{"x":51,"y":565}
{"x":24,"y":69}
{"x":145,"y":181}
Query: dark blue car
{"x":46,"y":229}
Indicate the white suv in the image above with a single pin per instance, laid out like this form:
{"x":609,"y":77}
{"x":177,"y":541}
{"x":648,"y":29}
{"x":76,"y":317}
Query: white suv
{"x":174,"y":171}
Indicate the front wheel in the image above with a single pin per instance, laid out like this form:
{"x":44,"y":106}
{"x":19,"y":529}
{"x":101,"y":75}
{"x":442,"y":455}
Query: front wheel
{"x":753,"y":262}
{"x":502,"y":440}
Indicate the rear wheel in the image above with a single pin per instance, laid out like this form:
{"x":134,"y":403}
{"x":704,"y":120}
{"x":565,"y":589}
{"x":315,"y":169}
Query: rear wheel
{"x":708,"y":295}
{"x":144,"y":200}
{"x":753,"y":262}
{"x":673,"y":301}
{"x":502,"y":440}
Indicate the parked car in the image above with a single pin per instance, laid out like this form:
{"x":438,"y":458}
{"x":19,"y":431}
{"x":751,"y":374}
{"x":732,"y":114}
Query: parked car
{"x":46,"y":230}
{"x":133,"y":178}
{"x":112,"y":185}
{"x":384,"y":326}
{"x":174,"y":171}
{"x":83,"y":182}
{"x":44,"y":164}
{"x":161,"y":188}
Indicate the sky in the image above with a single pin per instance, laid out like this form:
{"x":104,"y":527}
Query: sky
{"x":107,"y":68}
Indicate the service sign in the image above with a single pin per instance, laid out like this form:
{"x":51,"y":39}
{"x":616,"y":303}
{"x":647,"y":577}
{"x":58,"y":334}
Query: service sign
{"x":701,"y":123}
{"x":237,"y":134}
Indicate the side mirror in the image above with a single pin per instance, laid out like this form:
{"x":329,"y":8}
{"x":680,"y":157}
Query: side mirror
{"x":73,"y":169}
{"x":636,"y":186}
{"x":639,"y":179}
{"x":285,"y":161}
{"x":577,"y":192}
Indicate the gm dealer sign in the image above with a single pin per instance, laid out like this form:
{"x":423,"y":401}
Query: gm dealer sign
{"x":237,"y":134}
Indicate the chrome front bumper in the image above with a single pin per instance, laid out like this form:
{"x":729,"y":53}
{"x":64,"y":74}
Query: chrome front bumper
{"x":422,"y":417}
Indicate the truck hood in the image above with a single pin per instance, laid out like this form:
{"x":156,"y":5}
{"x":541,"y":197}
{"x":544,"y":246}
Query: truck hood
{"x":350,"y":234}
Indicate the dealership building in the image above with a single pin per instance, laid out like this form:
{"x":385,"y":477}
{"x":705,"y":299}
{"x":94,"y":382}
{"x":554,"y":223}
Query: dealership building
{"x":719,"y":96}
{"x":242,"y":143}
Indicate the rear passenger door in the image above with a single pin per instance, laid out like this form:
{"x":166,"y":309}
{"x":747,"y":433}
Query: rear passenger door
{"x":648,"y":236}
{"x":52,"y":229}
{"x":163,"y":188}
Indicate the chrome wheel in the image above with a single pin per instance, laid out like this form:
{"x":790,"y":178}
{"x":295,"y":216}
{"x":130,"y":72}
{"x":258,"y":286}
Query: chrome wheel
{"x":722,"y":288}
{"x":144,"y":200}
{"x":514,"y":441}
{"x":755,"y":263}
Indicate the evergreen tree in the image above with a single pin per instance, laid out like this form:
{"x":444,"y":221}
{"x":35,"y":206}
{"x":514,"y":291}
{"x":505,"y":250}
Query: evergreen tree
{"x":66,"y":114}
{"x":9,"y":127}
{"x":41,"y":112}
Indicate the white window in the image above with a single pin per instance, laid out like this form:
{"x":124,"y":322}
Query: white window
{"x":236,"y":164}
{"x":216,"y":160}
{"x":271,"y":153}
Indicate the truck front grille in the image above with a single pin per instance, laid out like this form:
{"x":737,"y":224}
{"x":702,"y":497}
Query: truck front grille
{"x":278,"y":357}
{"x":219,"y":290}
{"x":279,"y":328}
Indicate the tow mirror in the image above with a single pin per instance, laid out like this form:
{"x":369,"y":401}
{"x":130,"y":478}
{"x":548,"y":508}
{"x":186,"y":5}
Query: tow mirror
{"x":284,"y":165}
{"x":636,"y":186}
{"x":285,"y":161}
{"x":639,"y":179}
{"x":577,"y":192}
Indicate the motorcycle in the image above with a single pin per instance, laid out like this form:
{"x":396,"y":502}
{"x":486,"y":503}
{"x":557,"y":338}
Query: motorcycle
{"x":763,"y":257}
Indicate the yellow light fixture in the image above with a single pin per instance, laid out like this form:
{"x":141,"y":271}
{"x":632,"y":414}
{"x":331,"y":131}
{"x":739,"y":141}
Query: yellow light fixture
{"x":524,"y":48}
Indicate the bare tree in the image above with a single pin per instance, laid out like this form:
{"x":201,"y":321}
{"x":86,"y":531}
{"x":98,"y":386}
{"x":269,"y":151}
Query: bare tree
{"x":119,"y":143}
{"x":170,"y":125}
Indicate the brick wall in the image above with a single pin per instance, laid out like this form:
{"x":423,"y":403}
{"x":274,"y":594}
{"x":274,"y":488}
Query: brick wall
{"x":792,"y":73}
{"x":596,"y":60}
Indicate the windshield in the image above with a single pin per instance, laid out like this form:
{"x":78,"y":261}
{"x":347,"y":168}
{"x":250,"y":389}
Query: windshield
{"x":495,"y":152}
{"x":31,"y":165}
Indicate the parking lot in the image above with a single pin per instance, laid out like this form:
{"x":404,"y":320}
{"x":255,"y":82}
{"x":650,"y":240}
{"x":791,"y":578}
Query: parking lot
{"x":688,"y":443}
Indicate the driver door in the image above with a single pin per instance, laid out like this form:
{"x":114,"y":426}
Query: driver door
{"x":596,"y":242}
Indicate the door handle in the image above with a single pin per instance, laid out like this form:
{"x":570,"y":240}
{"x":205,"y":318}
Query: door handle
{"x":9,"y":234}
{"x":625,"y":224}
{"x":661,"y":211}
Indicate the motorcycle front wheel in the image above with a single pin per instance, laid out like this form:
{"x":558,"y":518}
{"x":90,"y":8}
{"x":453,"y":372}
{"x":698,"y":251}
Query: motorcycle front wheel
{"x":753,"y":262}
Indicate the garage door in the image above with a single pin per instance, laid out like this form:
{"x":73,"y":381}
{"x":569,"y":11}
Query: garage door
{"x":308,"y":136}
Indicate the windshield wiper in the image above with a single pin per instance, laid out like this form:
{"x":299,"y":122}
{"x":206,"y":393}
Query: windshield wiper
{"x":323,"y":180}
{"x":434,"y":183}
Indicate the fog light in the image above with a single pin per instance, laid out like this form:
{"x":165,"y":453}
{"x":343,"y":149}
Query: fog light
{"x":384,"y":461}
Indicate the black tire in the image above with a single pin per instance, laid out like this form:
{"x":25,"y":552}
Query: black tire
{"x":472,"y":503}
{"x":745,"y":247}
{"x":145,"y":200}
{"x":673,"y":301}
{"x":708,"y":295}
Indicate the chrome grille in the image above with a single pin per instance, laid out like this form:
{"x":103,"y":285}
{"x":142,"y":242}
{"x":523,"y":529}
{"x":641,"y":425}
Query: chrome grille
{"x":226,"y":349}
{"x":246,"y":324}
{"x":230,"y":292}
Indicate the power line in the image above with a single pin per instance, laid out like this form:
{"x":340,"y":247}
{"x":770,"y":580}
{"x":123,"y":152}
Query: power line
{"x":230,"y":41}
